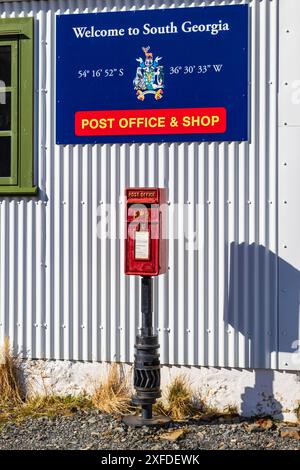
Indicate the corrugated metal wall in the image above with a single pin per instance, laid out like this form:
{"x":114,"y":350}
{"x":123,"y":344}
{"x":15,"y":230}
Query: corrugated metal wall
{"x":63,"y":293}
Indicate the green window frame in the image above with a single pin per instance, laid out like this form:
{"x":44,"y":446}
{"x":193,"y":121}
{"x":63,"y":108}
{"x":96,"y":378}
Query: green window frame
{"x":16,"y":118}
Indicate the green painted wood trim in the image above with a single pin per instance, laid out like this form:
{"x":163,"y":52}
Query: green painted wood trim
{"x":17,"y":27}
{"x":16,"y":190}
{"x":25,"y":172}
{"x":23,"y":29}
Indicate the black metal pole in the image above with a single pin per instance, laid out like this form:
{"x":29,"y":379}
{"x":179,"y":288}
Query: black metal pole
{"x":147,"y":324}
{"x":146,"y":301}
{"x":146,"y":363}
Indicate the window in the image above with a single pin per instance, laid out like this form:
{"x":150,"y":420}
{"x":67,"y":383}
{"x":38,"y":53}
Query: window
{"x":16,"y":106}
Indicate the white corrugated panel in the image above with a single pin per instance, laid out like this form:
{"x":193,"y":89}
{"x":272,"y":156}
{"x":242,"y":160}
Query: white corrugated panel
{"x":63,"y":291}
{"x":289,"y":193}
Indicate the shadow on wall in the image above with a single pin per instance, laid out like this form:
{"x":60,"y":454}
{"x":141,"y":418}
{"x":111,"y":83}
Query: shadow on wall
{"x":262,"y":305}
{"x":259,"y":400}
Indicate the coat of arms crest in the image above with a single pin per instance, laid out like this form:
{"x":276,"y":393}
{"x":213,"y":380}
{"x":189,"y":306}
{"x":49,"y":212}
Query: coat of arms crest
{"x":149,"y":76}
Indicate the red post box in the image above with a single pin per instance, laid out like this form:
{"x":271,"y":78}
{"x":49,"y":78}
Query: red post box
{"x":145,"y":238}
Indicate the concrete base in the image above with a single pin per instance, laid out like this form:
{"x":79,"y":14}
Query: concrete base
{"x":250,"y":392}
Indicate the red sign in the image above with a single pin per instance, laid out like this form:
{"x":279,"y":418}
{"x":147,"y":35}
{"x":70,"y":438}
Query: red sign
{"x":151,"y":121}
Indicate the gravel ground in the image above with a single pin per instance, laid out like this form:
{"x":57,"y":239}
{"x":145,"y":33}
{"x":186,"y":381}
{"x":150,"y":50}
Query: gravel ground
{"x":89,"y":430}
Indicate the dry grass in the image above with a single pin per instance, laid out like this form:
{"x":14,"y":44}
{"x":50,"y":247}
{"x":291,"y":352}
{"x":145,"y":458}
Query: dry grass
{"x":15,"y":407}
{"x":54,"y":405}
{"x":179,"y":399}
{"x":298,"y":413}
{"x":10,"y":389}
{"x":113,"y":395}
{"x":181,"y":403}
{"x":48,"y":405}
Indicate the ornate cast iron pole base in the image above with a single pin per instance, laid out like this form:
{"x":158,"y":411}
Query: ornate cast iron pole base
{"x":146,"y":365}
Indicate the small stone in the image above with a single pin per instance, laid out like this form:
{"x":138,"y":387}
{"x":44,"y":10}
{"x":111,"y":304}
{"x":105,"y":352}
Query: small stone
{"x":201,"y":435}
{"x":92,"y":420}
{"x":173,"y":435}
{"x":290,"y":432}
{"x":254,"y":427}
{"x":221,"y":446}
{"x":120,"y":429}
{"x":88,"y":447}
{"x":270,"y":444}
{"x":266,"y":424}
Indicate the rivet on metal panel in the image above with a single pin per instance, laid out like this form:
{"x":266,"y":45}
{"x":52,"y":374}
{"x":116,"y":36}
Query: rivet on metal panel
{"x":100,"y":202}
{"x":63,"y":202}
{"x":167,"y":329}
{"x":35,"y":325}
{"x":207,"y":202}
{"x":158,"y":329}
{"x":120,"y":328}
{"x":100,"y":327}
{"x":285,"y":164}
{"x":285,"y":123}
{"x":287,"y":31}
{"x":286,"y":83}
{"x":169,"y":203}
{"x":228,"y":202}
{"x":286,"y":363}
{"x":284,"y":202}
{"x":82,"y":202}
{"x":284,"y":246}
{"x":45,"y":325}
{"x":188,"y":330}
{"x":63,"y":326}
{"x":81,"y":326}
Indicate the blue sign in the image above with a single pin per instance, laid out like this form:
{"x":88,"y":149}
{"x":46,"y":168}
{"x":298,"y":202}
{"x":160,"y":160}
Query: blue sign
{"x":169,"y":75}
